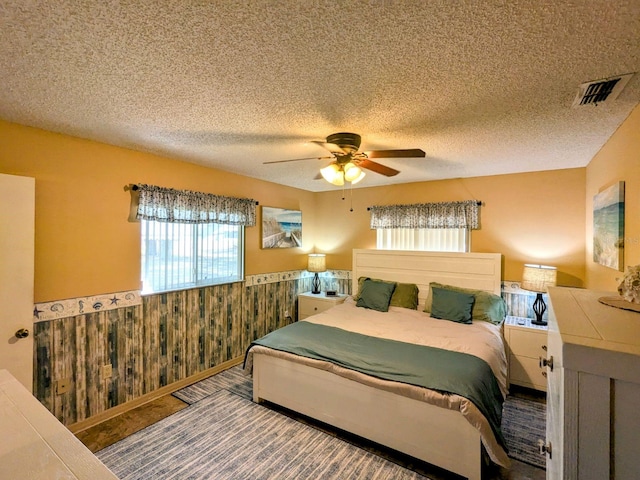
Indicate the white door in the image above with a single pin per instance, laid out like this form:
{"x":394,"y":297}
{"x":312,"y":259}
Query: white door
{"x":17,"y":219}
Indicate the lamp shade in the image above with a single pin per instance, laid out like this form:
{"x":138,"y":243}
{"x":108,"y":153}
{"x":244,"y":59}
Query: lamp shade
{"x":317,"y":262}
{"x":338,"y":174}
{"x":537,"y":278}
{"x":351,"y":172}
{"x":333,"y":174}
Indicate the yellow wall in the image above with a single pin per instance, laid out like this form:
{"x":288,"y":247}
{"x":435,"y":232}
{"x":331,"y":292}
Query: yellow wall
{"x":86,"y":246}
{"x":528,"y":218}
{"x":618,"y":160}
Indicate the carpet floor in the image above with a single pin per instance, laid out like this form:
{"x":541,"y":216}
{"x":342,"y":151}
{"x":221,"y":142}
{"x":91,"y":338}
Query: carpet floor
{"x":230,"y":437}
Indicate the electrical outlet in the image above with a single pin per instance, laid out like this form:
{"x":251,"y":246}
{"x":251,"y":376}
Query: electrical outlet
{"x":62,"y":386}
{"x":107,"y":371}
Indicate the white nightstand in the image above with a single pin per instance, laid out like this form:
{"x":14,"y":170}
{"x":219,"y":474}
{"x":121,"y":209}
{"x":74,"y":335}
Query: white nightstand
{"x":526,"y":344}
{"x":311,"y":303}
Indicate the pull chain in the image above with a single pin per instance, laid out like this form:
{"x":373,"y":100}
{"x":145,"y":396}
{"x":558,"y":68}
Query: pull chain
{"x":351,"y":195}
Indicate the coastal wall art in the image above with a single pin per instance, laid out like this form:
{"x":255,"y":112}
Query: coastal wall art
{"x":281,"y":228}
{"x":608,"y":227}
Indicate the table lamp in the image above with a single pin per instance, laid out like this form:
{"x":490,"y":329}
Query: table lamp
{"x":317,"y":263}
{"x":536,"y":278}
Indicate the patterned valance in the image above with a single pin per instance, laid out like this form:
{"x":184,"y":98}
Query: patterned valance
{"x":427,"y":215}
{"x":185,"y":206}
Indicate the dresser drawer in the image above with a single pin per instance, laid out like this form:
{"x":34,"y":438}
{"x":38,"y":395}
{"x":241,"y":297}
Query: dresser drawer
{"x":528,"y":343}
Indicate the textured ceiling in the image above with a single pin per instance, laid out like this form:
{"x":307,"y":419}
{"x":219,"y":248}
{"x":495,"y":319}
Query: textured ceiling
{"x":483,"y":87}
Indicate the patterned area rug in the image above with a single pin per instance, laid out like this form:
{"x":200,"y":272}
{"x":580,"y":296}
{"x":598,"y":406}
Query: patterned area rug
{"x":229,"y":435}
{"x":523,"y":424}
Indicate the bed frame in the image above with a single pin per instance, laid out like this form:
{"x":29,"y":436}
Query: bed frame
{"x":436,"y":435}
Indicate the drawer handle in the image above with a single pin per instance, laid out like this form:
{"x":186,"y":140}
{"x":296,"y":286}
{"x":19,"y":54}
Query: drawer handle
{"x":544,"y":448}
{"x":315,"y":308}
{"x":547,"y":362}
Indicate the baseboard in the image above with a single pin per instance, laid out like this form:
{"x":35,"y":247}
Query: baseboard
{"x":148,"y":397}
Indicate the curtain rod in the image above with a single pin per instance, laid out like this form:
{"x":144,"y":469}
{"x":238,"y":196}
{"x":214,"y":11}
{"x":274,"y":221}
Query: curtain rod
{"x":479,"y":203}
{"x":135,"y":187}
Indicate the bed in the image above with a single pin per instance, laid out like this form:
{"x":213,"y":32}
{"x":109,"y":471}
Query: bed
{"x":446,"y":430}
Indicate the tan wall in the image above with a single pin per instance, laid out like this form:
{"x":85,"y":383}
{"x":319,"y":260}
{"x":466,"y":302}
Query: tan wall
{"x":86,"y":246}
{"x":529,"y":218}
{"x":618,"y":160}
{"x":84,"y":243}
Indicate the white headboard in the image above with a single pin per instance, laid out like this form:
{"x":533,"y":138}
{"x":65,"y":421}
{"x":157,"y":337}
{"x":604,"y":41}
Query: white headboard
{"x":480,"y":271}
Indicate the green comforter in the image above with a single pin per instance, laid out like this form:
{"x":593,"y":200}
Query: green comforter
{"x":434,"y":368}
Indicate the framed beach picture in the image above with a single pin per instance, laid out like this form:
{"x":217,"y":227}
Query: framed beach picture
{"x":608,"y":227}
{"x":281,"y":228}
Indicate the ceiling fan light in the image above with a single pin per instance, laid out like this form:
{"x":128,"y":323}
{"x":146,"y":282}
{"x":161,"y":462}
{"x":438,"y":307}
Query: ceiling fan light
{"x":333,"y":174}
{"x":360,"y":177}
{"x":351,"y":172}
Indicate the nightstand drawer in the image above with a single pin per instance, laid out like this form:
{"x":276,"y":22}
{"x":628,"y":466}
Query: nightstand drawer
{"x":311,"y":306}
{"x":528,"y":343}
{"x":526,"y":371}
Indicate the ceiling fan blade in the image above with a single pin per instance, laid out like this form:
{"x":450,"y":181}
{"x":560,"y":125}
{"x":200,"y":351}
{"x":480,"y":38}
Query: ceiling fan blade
{"x":332,"y":147}
{"x":299,"y":159}
{"x":377,"y":167}
{"x":406,"y":153}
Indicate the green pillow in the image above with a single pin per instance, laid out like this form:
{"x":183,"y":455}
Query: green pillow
{"x":452,"y":305}
{"x":405,"y":295}
{"x":376,"y":295}
{"x":488,"y":307}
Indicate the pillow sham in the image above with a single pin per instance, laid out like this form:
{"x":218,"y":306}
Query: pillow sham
{"x":452,"y":305}
{"x":487,"y":307}
{"x":376,"y":295}
{"x":405,"y":294}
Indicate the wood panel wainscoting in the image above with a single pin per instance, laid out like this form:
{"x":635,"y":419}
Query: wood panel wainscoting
{"x":165,"y":343}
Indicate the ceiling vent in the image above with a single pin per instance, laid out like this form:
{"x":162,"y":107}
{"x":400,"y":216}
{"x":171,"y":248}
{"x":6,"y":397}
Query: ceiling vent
{"x":599,"y":91}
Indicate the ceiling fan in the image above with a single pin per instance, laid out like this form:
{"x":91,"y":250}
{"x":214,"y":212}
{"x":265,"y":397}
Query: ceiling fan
{"x":348,"y":162}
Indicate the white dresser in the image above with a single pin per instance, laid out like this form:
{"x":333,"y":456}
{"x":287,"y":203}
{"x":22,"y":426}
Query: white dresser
{"x":593,"y":396}
{"x":34,"y":445}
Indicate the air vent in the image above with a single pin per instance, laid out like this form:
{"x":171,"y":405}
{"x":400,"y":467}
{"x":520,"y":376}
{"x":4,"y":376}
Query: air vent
{"x":599,"y":91}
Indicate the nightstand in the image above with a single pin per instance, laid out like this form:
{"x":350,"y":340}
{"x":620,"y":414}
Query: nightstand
{"x":310,"y":303}
{"x":526,"y":344}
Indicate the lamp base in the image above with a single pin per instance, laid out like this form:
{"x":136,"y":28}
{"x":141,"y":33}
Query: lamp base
{"x":315,"y":285}
{"x":539,"y":308}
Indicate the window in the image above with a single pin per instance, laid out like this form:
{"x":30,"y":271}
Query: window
{"x":430,"y":239}
{"x":190,"y":239}
{"x":438,"y":227}
{"x":181,"y":255}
